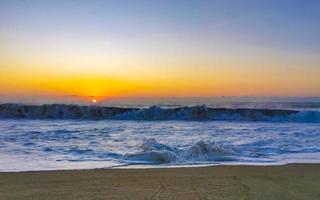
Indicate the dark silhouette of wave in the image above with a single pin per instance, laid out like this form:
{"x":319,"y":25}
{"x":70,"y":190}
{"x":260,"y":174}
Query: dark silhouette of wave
{"x":193,"y":113}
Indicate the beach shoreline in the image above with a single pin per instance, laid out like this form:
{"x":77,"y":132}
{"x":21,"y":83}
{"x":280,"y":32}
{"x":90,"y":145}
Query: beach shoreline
{"x":292,"y":181}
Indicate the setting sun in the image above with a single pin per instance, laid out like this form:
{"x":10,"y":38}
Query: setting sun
{"x":91,"y":86}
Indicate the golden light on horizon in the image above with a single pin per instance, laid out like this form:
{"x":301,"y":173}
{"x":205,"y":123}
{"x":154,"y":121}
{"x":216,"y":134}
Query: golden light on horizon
{"x":213,"y":56}
{"x":94,"y":101}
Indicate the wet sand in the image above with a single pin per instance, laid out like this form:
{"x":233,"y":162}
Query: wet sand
{"x":295,"y":181}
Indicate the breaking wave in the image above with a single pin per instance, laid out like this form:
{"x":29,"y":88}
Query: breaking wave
{"x":61,"y":111}
{"x":156,"y":153}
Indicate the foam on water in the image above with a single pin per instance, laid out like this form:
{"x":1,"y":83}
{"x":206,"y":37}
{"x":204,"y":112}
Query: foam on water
{"x":32,"y":144}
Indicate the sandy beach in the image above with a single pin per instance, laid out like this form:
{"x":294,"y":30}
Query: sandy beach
{"x":294,"y":181}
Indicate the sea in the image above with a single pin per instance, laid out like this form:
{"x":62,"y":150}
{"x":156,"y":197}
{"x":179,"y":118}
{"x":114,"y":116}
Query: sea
{"x":153,"y":133}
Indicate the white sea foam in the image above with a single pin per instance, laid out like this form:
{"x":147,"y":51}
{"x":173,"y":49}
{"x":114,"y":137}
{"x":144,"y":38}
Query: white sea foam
{"x":27,"y":144}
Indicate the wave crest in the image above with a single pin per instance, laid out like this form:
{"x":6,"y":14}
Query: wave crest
{"x":157,"y":153}
{"x":61,"y":111}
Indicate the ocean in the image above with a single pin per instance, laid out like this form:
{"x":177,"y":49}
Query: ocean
{"x":167,"y":134}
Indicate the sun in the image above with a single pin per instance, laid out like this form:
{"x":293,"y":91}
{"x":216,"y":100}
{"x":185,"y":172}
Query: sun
{"x":94,"y":101}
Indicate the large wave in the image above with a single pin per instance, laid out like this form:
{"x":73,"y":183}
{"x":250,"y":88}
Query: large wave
{"x":61,"y":111}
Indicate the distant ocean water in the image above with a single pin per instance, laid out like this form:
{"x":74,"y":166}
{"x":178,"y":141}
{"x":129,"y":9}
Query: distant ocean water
{"x":170,"y":133}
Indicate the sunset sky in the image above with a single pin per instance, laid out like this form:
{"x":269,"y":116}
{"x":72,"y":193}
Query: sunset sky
{"x":160,"y":48}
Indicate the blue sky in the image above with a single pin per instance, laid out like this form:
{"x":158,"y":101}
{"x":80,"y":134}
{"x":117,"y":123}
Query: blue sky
{"x":287,"y":24}
{"x":193,"y":41}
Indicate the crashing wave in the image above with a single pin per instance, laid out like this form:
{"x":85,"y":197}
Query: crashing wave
{"x":153,"y":152}
{"x":205,"y":150}
{"x":61,"y":111}
{"x":157,"y":153}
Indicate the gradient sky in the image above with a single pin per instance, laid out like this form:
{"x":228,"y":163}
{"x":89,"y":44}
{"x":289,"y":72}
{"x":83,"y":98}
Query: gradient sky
{"x":160,"y":48}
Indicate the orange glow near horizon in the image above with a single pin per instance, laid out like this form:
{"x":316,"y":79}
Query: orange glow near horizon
{"x":219,"y":83}
{"x":115,"y":53}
